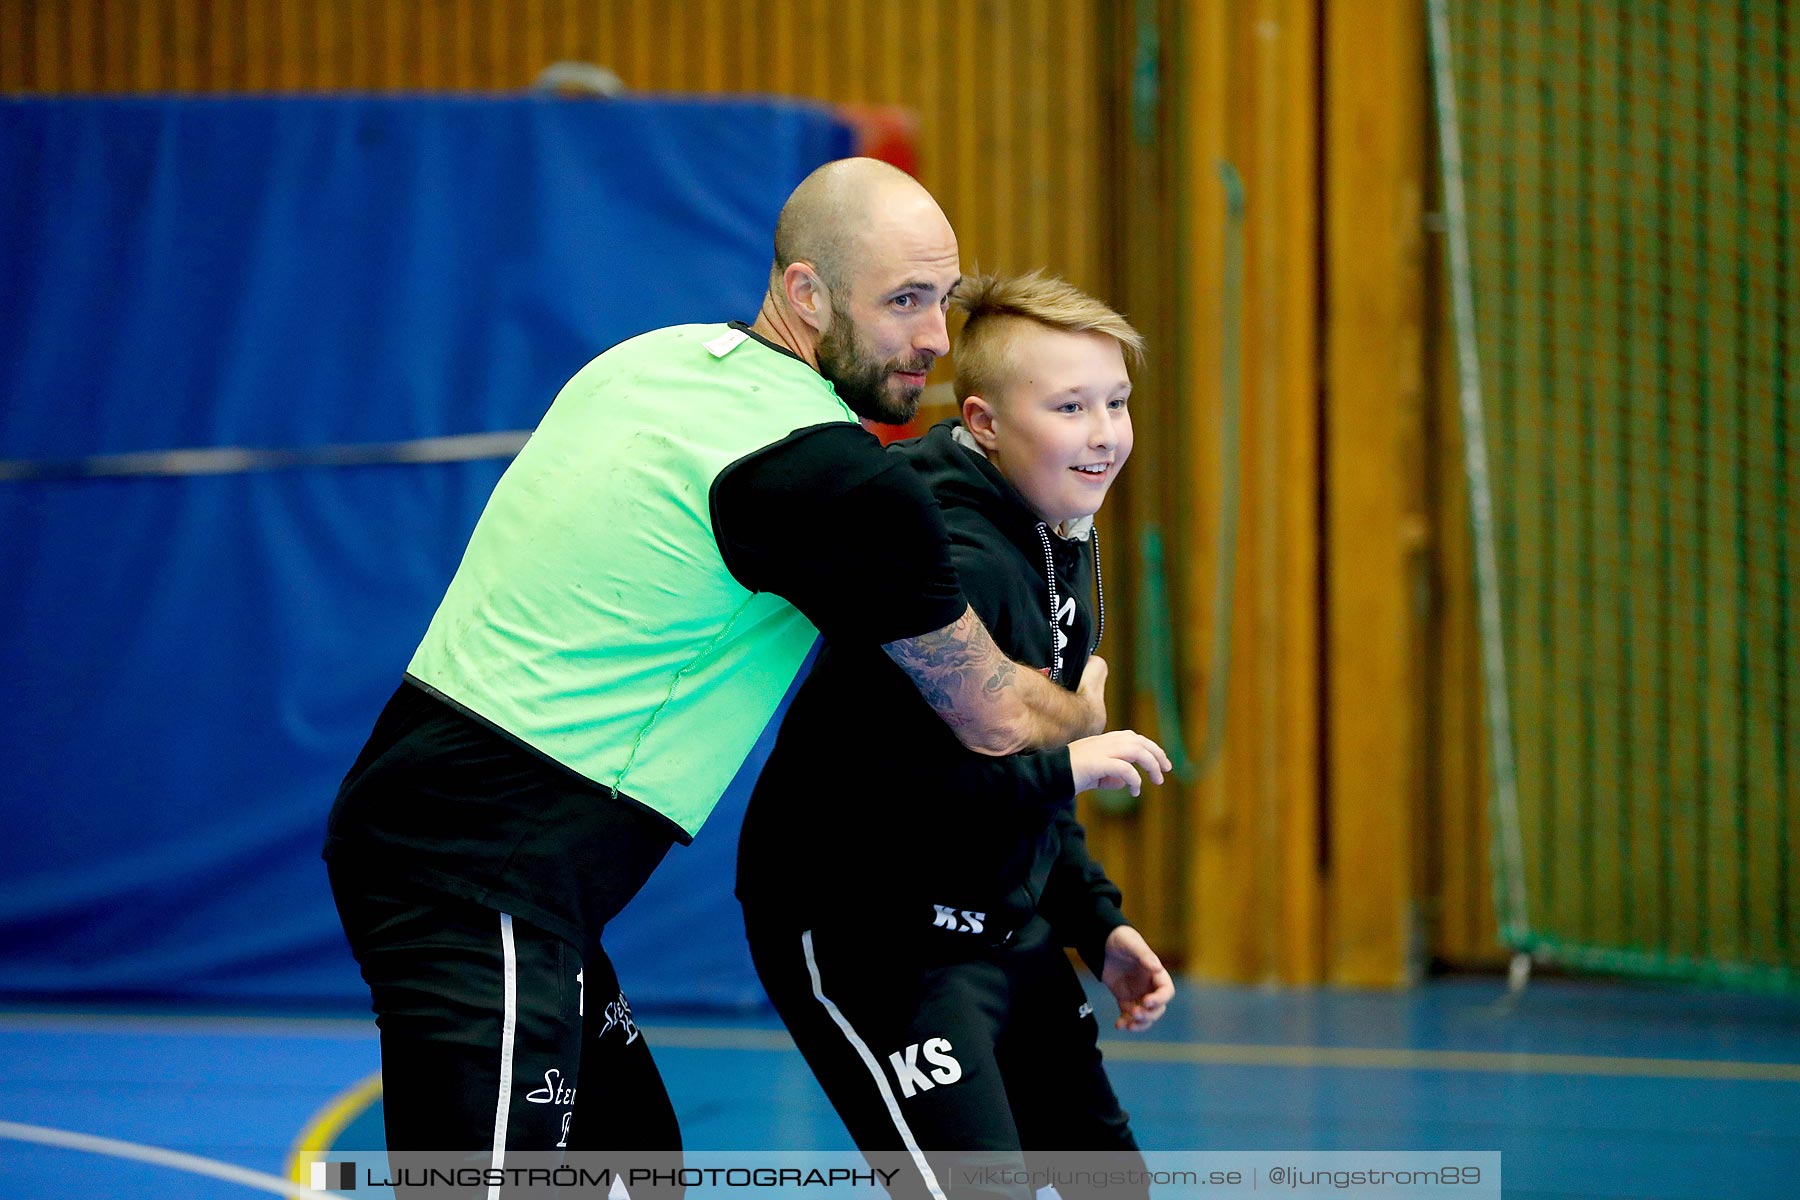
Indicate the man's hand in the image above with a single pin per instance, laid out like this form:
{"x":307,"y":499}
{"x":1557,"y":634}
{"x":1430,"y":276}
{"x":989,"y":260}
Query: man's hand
{"x":1136,"y":978}
{"x":1112,"y":760}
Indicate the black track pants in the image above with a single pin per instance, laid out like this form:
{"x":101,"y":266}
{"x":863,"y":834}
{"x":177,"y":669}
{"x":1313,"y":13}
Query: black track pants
{"x":942,"y":1067}
{"x":497,"y":1036}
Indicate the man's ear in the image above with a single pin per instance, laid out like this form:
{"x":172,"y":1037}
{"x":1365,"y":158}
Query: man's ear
{"x":806,"y":295}
{"x":978,"y":417}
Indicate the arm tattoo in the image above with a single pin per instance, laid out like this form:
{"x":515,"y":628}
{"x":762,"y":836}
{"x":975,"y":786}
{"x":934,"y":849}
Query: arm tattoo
{"x":943,"y":663}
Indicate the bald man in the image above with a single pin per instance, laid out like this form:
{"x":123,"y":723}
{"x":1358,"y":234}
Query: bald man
{"x":646,"y":585}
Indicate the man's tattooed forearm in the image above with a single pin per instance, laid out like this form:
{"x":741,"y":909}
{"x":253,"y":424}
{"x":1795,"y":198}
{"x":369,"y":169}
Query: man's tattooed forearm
{"x":1002,"y":678}
{"x":942,"y":663}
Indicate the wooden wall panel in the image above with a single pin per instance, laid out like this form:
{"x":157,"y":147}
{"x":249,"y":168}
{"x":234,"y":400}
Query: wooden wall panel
{"x":1005,"y":93}
{"x":1375,"y":525}
{"x":1222,"y":921}
{"x":1282,"y":338}
{"x":1029,"y":135}
{"x":1235,"y":83}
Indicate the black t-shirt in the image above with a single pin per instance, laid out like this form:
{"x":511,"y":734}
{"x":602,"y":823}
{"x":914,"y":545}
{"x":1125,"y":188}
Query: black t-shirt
{"x":440,"y":798}
{"x":843,"y":531}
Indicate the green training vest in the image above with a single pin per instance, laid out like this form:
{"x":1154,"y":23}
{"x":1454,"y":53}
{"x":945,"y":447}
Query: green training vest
{"x":592,"y":616}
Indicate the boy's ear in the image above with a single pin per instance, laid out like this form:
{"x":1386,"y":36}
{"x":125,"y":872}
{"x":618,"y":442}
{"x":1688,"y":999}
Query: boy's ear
{"x":806,"y":295}
{"x":978,"y":418}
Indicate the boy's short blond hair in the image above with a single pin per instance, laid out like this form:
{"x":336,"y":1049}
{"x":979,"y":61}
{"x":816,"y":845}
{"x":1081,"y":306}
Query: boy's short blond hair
{"x":992,"y":304}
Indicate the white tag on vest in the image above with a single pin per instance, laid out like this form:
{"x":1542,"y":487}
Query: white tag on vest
{"x":725,"y":343}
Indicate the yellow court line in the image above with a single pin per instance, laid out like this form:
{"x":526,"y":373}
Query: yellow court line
{"x":320,"y":1132}
{"x":1239,"y":1054}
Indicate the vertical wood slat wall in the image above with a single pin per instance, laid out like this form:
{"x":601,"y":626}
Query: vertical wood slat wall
{"x":1241,"y":90}
{"x":1316,"y":845}
{"x":1010,"y":97}
{"x":1375,"y":526}
{"x":1312,"y":852}
{"x":1028,"y":136}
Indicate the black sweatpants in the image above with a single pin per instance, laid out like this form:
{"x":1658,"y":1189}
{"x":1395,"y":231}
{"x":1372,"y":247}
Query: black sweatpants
{"x":497,"y":1036}
{"x":945,"y":1065}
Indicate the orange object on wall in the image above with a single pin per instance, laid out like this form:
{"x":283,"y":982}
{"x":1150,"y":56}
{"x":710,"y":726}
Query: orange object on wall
{"x":889,"y":132}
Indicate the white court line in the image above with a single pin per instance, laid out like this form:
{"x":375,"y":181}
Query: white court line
{"x":156,"y":1156}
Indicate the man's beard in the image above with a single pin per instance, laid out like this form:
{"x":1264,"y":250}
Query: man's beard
{"x":862,"y":383}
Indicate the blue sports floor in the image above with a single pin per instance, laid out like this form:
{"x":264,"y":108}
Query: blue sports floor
{"x":1586,"y":1089}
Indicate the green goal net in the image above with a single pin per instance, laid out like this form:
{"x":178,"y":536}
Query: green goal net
{"x":1619,"y":190}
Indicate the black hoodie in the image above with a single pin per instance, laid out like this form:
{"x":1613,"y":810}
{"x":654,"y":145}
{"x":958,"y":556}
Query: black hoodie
{"x":870,"y":814}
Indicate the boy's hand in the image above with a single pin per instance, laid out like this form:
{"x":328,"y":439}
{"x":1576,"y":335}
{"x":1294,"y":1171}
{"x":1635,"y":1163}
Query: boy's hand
{"x":1112,"y":760}
{"x":1092,"y":689}
{"x":1136,"y":978}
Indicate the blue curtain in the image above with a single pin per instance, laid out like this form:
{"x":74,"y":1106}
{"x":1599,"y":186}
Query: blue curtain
{"x":189,"y":662}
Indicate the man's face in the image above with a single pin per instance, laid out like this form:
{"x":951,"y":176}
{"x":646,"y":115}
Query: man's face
{"x":1060,"y":431}
{"x":887,"y":322}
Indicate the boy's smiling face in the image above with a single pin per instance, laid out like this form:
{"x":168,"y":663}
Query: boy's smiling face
{"x":1059,"y":429}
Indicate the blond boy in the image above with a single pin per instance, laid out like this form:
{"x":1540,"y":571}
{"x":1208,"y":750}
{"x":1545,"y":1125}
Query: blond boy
{"x":907,"y":912}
